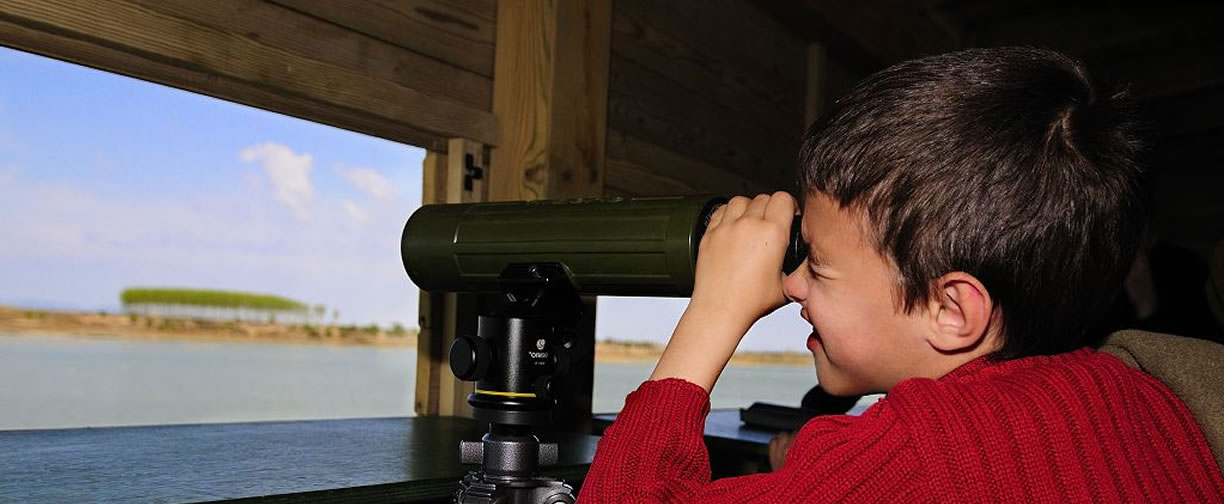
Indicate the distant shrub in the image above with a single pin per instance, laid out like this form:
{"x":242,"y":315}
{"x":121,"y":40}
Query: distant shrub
{"x":203,"y":303}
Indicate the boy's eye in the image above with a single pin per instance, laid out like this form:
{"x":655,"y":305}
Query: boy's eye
{"x":814,"y":269}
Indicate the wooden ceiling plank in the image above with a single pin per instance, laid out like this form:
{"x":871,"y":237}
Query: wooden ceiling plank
{"x":641,"y":168}
{"x":770,"y":98}
{"x":92,"y":54}
{"x":730,"y":33}
{"x":436,"y":28}
{"x":645,"y":104}
{"x":273,"y":26}
{"x":133,"y":33}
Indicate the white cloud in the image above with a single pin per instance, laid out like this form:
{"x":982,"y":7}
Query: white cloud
{"x":252,"y":180}
{"x":368,"y":180}
{"x":289,"y":173}
{"x":356,"y":212}
{"x":81,"y":247}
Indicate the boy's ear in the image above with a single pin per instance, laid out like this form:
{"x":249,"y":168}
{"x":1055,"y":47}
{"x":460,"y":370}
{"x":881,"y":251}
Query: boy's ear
{"x":960,"y":313}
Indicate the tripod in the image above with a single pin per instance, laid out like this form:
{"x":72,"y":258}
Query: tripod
{"x":520,"y":346}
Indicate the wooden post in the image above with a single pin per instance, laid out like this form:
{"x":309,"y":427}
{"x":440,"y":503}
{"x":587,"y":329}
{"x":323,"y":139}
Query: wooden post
{"x":430,"y":307}
{"x":550,"y":91}
{"x":827,"y":80}
{"x":550,"y":95}
{"x":455,"y":177}
{"x":817,"y":83}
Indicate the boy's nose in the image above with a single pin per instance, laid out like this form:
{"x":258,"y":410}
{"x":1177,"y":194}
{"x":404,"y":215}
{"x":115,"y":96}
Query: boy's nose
{"x":794,"y":287}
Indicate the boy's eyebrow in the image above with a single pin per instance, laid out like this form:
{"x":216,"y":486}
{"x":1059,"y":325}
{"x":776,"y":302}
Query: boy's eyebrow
{"x":814,"y":255}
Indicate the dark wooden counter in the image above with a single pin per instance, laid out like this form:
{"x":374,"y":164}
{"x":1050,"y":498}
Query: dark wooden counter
{"x":350,"y":461}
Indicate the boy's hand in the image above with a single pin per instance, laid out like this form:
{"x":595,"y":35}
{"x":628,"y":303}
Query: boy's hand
{"x":739,"y":262}
{"x":738,"y":280}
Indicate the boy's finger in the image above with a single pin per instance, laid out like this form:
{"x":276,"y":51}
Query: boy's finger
{"x":781,"y":207}
{"x":756,"y":208}
{"x":716,"y":217}
{"x":735,"y":208}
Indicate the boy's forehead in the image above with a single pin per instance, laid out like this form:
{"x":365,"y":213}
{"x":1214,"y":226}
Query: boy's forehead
{"x":827,"y":225}
{"x":817,"y":207}
{"x":815,"y":213}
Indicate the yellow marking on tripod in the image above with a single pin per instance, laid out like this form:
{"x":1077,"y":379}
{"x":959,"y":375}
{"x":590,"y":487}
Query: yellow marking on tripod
{"x":505,"y":394}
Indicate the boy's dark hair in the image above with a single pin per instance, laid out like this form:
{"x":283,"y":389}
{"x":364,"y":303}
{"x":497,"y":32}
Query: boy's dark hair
{"x":1004,"y":163}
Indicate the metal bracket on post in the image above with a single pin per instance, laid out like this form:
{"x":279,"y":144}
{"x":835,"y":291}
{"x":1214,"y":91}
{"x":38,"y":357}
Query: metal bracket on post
{"x":467,"y":165}
{"x":471,"y":172}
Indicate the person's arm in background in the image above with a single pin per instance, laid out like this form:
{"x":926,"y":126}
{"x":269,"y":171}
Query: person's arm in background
{"x":778,"y":446}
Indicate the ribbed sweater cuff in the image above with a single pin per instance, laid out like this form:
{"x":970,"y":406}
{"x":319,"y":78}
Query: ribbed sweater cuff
{"x":666,"y":407}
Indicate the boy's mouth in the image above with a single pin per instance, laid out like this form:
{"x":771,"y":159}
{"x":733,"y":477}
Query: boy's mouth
{"x":813,"y":341}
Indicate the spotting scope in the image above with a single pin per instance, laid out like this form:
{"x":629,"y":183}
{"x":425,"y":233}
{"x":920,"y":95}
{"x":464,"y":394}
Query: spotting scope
{"x":613,"y":246}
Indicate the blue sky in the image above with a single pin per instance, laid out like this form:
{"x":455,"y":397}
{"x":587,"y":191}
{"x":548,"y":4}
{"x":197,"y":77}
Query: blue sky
{"x":108,"y":182}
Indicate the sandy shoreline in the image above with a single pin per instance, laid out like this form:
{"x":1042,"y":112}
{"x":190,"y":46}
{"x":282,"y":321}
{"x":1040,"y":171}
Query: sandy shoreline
{"x":137,"y":327}
{"x":141,"y":328}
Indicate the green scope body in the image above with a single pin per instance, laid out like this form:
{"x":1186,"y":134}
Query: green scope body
{"x":612,"y":246}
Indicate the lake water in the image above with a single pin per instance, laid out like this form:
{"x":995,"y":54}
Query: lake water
{"x":59,"y":381}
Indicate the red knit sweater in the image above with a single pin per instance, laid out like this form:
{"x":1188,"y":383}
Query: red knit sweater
{"x":1075,"y":427}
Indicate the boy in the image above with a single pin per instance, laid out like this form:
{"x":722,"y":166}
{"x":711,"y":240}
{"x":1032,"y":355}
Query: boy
{"x":969,"y":215}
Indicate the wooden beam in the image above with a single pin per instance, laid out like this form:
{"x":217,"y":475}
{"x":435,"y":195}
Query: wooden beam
{"x":550,"y":94}
{"x":457,"y":33}
{"x":262,"y":55}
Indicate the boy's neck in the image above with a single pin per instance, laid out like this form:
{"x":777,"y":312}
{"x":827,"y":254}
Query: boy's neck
{"x":942,"y":363}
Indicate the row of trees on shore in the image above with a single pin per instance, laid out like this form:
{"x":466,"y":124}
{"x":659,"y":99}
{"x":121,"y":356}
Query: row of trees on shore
{"x":220,"y":305}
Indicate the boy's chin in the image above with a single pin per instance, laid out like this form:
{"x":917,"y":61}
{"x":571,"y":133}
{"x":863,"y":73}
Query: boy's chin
{"x":840,"y":390}
{"x":838,"y":386}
